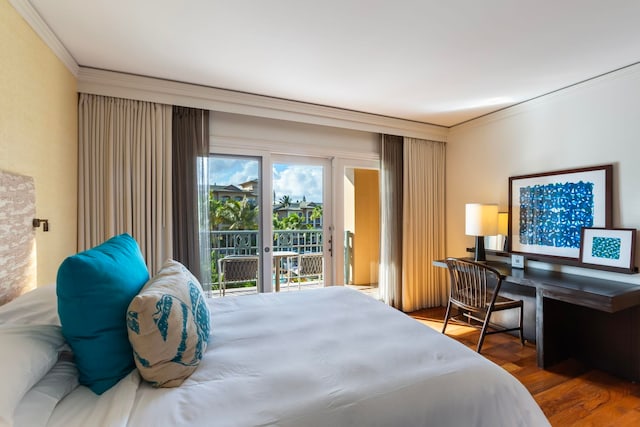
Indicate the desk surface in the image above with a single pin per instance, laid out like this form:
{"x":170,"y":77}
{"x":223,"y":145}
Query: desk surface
{"x":601,"y":294}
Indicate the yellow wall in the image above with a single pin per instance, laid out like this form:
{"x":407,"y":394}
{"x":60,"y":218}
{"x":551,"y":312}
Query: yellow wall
{"x":366,"y":241}
{"x":38,"y":133}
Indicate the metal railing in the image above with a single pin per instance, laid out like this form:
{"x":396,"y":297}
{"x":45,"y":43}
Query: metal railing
{"x":246,"y":242}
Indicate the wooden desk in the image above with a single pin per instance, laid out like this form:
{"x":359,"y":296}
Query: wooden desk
{"x":593,"y":320}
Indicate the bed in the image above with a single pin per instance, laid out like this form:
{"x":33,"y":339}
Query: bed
{"x":325,"y":357}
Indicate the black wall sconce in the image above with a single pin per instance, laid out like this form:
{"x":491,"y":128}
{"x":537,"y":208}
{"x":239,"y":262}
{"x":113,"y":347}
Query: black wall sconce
{"x":45,"y":223}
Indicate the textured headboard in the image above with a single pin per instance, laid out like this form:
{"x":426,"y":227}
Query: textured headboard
{"x":17,"y":236}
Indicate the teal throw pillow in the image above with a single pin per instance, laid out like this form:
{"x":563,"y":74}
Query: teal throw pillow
{"x":94,"y":289}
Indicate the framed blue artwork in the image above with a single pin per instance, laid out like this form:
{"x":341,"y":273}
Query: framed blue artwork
{"x":547,"y":211}
{"x":609,"y":247}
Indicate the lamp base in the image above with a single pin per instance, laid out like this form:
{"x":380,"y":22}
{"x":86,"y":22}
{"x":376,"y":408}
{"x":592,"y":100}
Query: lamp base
{"x":480,"y":254}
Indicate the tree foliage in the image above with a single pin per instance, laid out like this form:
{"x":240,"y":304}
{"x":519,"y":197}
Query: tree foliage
{"x":290,"y":222}
{"x":244,"y":215}
{"x":285,"y":201}
{"x":234,"y":214}
{"x":317,"y":213}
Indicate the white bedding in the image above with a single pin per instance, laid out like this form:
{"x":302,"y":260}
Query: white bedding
{"x":327,"y":357}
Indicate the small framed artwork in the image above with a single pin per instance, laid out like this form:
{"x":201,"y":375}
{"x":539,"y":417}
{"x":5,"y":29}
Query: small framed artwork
{"x":547,"y":211}
{"x":609,"y":247}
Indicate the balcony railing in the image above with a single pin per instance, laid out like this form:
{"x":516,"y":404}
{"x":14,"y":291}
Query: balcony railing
{"x":246,"y":242}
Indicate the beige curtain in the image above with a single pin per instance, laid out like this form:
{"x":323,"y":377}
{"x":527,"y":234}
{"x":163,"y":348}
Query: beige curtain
{"x":423,"y":224}
{"x":124,"y":174}
{"x":390,"y":279}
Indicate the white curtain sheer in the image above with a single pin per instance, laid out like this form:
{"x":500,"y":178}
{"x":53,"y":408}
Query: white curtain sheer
{"x":204,"y":235}
{"x":124,"y":174}
{"x":412,"y":223}
{"x":423,"y":224}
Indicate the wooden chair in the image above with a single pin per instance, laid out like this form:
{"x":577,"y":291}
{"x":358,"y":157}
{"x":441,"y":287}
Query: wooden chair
{"x":237,"y":269}
{"x":473,"y":290}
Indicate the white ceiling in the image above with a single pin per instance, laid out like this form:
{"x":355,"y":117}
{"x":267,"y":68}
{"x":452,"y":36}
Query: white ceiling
{"x":432,"y":61}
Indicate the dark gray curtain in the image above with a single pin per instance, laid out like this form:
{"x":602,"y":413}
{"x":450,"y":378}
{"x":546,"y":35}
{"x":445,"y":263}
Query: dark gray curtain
{"x":190,"y":191}
{"x":390,"y":285}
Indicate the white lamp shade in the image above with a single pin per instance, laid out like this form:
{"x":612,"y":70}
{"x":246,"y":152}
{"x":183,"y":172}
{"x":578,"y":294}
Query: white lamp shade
{"x":481,"y":220}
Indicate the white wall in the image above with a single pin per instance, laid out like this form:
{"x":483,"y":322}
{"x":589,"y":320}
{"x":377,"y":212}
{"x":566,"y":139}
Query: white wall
{"x":594,"y":123}
{"x":287,"y":137}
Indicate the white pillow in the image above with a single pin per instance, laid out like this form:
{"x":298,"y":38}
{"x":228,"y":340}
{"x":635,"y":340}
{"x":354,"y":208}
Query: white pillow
{"x":38,"y":404}
{"x":168,"y":324}
{"x":39,"y":306}
{"x":28,"y":353}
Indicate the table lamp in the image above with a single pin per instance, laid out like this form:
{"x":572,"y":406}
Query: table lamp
{"x":481,"y":220}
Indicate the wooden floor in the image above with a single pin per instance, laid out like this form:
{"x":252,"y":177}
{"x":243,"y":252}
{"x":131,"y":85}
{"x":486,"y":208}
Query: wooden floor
{"x":570,"y":394}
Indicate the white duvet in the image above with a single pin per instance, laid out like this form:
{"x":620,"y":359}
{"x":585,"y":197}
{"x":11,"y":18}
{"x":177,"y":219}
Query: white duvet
{"x":327,"y":357}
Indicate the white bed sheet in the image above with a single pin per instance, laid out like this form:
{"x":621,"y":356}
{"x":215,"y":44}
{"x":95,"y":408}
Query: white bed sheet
{"x":327,"y":357}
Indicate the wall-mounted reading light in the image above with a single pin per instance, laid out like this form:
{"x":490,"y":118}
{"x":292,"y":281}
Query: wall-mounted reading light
{"x":45,"y":223}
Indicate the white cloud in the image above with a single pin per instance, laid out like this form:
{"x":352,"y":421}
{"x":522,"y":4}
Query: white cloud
{"x":298,"y":181}
{"x":230,"y":170}
{"x":295,"y":181}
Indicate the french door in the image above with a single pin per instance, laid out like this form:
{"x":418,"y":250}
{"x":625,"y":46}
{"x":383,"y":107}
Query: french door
{"x":277,"y":208}
{"x":300,"y":242}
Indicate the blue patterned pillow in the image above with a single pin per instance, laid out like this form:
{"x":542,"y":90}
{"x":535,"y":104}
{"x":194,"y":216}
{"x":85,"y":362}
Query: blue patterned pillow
{"x":94,"y":289}
{"x":168,"y":324}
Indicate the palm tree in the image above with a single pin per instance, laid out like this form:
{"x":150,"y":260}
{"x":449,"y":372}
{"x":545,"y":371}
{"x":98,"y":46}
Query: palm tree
{"x":215,"y":207}
{"x":285,"y":201}
{"x":239,"y":215}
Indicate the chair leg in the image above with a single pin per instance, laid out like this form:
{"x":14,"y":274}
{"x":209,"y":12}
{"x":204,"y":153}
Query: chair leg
{"x":483,"y":332}
{"x":446,"y":317}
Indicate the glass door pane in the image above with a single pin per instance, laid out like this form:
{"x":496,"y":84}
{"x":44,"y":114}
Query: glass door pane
{"x":235,"y":224}
{"x":301,"y":218}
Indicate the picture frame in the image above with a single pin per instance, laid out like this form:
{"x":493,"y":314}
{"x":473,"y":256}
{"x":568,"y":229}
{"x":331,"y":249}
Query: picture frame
{"x":609,"y":248}
{"x":547,"y":211}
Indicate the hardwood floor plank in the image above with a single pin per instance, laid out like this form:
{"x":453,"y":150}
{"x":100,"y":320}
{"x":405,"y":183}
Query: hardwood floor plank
{"x":621,"y":412}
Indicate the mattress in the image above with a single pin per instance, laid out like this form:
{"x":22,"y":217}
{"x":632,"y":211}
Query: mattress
{"x":325,"y":357}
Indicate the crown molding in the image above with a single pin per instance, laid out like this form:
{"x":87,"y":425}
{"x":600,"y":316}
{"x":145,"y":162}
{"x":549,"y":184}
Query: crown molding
{"x":110,"y":83}
{"x":33,"y":18}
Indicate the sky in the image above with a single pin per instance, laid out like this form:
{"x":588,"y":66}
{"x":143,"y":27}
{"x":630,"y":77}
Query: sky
{"x":296,"y":181}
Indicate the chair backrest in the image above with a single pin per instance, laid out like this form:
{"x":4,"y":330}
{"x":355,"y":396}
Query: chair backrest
{"x":236,"y":268}
{"x":310,"y":264}
{"x":473,"y":284}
